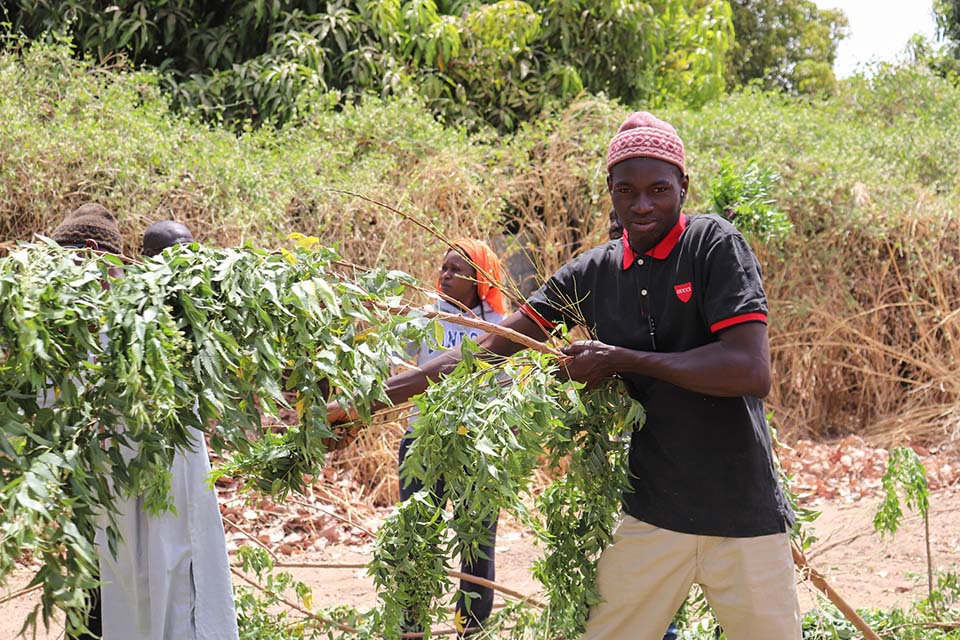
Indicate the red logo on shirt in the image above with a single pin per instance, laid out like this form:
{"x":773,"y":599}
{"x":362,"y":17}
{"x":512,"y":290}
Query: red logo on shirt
{"x":684,"y":291}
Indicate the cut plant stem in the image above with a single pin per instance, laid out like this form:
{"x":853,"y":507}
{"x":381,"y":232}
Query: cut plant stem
{"x":294,"y":605}
{"x":16,"y":594}
{"x":435,"y":233}
{"x":483,"y":582}
{"x":466,"y":577}
{"x":821,"y":583}
{"x":509,"y":334}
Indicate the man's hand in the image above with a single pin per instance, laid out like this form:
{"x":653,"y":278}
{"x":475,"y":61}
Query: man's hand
{"x":345,"y":435}
{"x":736,"y":364}
{"x":337,"y":414}
{"x":591,"y":362}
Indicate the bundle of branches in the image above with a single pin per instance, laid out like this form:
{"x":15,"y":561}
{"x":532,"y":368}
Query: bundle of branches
{"x":481,"y":433}
{"x":104,"y":367}
{"x":481,"y":439}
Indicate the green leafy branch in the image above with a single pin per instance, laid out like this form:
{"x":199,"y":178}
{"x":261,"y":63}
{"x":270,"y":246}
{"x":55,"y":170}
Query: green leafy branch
{"x":905,"y":477}
{"x":103,"y":376}
{"x":482,"y":430}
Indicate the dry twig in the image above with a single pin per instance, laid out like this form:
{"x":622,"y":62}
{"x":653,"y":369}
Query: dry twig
{"x":22,"y":592}
{"x":821,"y":583}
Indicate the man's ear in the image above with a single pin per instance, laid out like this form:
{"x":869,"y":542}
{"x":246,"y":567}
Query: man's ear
{"x":91,"y":244}
{"x":609,"y":183}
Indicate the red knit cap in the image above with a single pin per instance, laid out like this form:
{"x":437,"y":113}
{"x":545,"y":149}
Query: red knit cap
{"x":643,"y":135}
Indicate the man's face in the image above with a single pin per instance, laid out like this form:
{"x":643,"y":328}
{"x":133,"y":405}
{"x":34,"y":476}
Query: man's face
{"x":647,"y":196}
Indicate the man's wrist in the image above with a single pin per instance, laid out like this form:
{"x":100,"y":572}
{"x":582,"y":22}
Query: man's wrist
{"x":624,"y":360}
{"x":617,"y":362}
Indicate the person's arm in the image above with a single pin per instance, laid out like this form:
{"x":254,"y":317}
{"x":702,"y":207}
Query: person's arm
{"x":409,"y":383}
{"x":737,"y":364}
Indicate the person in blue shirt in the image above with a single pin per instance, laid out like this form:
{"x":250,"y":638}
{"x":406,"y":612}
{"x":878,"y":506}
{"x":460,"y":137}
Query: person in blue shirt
{"x":466,"y":291}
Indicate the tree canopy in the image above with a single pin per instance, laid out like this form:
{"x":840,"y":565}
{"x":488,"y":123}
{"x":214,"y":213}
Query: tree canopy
{"x":947,"y":14}
{"x":474,"y":62}
{"x":785,"y":44}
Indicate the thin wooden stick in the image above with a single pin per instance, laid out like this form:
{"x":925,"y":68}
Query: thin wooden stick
{"x":249,"y":535}
{"x":821,"y":583}
{"x":820,"y":550}
{"x":943,"y":626}
{"x":926,"y":537}
{"x":332,"y":514}
{"x":424,"y":290}
{"x":823,"y":547}
{"x":440,"y":294}
{"x":320,"y":565}
{"x":480,"y":582}
{"x":327,"y":621}
{"x":483,"y":582}
{"x":436,"y":233}
{"x":509,"y":334}
{"x":16,"y":594}
{"x":442,"y":632}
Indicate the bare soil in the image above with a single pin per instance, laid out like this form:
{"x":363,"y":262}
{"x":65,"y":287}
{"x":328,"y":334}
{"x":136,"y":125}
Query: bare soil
{"x":865,"y":569}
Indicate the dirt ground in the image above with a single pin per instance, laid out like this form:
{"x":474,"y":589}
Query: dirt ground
{"x":866,"y":570}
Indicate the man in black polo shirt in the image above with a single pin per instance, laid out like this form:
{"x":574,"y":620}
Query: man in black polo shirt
{"x":678,"y":311}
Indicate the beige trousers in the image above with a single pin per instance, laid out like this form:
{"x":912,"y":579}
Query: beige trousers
{"x":646,"y":574}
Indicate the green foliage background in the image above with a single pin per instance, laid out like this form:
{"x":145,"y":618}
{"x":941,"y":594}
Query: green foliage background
{"x":475,"y":62}
{"x":789,"y":45}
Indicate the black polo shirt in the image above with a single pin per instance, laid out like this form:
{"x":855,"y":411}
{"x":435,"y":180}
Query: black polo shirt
{"x":701,"y":464}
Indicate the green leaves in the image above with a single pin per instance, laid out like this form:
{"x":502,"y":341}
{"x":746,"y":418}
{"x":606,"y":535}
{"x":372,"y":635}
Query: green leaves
{"x":410,"y":565}
{"x":101,"y":376}
{"x":104,"y":374}
{"x":786,"y":45}
{"x":582,"y":508}
{"x":481,"y":432}
{"x":478,"y":63}
{"x":744,"y":196}
{"x":905,"y":478}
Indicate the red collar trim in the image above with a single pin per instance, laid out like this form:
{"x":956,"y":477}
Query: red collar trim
{"x":663,"y":248}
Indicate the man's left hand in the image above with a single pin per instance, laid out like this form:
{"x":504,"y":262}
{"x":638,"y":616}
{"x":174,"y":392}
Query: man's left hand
{"x":591,"y":362}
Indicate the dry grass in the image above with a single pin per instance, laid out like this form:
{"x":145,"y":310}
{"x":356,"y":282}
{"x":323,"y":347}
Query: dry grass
{"x":865,"y":332}
{"x":865,"y":326}
{"x":558,"y":201}
{"x":372,"y":461}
